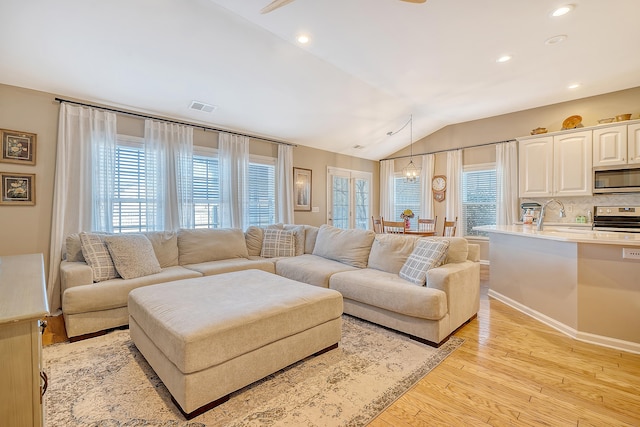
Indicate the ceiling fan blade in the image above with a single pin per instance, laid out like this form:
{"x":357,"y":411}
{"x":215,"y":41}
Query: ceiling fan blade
{"x":274,"y":5}
{"x":415,"y":1}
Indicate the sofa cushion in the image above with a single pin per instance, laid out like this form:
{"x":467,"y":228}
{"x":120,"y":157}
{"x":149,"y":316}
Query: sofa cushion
{"x":97,"y":255}
{"x":350,"y":247}
{"x":113,"y":293}
{"x":389,"y":252}
{"x":427,"y":254}
{"x":207,"y":244}
{"x":165,"y":246}
{"x":310,"y":269}
{"x":390,"y":292}
{"x":253,"y":238}
{"x":278,"y":243}
{"x":73,"y":248}
{"x":132,"y":255}
{"x":298,"y":235}
{"x":310,"y":236}
{"x":211,"y":268}
{"x":458,"y":248}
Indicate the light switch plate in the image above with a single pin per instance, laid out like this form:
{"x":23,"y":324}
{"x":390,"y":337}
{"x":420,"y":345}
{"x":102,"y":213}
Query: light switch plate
{"x":631,"y":253}
{"x":315,"y":209}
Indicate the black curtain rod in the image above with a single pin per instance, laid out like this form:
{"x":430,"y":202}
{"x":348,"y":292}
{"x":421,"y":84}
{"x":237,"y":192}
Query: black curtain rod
{"x":451,"y":149}
{"x":193,"y":125}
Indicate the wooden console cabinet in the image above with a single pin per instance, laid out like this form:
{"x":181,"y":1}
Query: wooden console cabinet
{"x":23,"y":304}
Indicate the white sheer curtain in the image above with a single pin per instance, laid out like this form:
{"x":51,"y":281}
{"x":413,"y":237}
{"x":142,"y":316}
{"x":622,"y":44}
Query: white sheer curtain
{"x":82,"y":190}
{"x":169,"y":175}
{"x":284,"y":185}
{"x":386,"y":189}
{"x":233,"y":155}
{"x":453,"y":202}
{"x":507,"y":180}
{"x":426,"y":199}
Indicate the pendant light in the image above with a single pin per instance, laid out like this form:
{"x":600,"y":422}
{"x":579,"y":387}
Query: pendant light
{"x":411,"y":172}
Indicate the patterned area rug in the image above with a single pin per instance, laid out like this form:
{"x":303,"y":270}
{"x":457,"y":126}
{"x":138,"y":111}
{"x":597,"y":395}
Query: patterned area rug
{"x":105,"y":381}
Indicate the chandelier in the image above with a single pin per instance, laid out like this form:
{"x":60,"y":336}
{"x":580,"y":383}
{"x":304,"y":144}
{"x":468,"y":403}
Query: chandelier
{"x":411,"y":172}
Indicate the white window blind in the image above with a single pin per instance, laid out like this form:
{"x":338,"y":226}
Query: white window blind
{"x":206,"y":191}
{"x":130,"y":198}
{"x":478,"y":198}
{"x":262,"y":192}
{"x":406,"y":196}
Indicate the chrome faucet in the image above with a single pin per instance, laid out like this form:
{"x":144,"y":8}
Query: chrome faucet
{"x":541,"y":219}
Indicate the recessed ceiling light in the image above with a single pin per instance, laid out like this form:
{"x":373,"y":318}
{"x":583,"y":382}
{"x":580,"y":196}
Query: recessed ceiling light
{"x":303,"y":38}
{"x":574,"y":86}
{"x":504,"y":58}
{"x":555,"y":40}
{"x":562,"y":10}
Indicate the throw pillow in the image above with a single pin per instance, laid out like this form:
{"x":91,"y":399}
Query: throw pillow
{"x":97,"y":255}
{"x":278,"y":243}
{"x":426,"y":255}
{"x":132,"y":255}
{"x":298,"y":235}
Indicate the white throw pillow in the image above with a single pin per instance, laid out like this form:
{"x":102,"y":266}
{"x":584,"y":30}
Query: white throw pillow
{"x":278,"y":243}
{"x":133,"y":255}
{"x":426,"y":255}
{"x":97,"y":255}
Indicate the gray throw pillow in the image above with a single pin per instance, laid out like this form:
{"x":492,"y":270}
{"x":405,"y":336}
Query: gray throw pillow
{"x":426,"y":255}
{"x":278,"y":243}
{"x":132,"y":255}
{"x":97,"y":255}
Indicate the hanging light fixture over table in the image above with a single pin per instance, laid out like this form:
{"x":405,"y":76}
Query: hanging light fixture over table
{"x":411,"y":172}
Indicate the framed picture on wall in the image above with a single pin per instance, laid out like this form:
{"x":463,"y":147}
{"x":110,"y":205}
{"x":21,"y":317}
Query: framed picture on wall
{"x":302,"y":189}
{"x":18,"y":147}
{"x":18,"y":189}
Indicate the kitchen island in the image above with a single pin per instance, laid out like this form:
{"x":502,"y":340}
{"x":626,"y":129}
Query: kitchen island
{"x":571,"y":278}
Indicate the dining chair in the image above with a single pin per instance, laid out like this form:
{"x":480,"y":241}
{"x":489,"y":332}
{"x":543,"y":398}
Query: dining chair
{"x":449,"y":227}
{"x":377,"y":224}
{"x":427,"y":224}
{"x":394,"y":227}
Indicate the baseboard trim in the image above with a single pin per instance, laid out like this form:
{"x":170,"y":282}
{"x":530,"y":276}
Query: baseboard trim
{"x":600,"y":340}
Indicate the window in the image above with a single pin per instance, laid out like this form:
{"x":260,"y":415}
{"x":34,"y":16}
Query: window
{"x":479,"y":197}
{"x":206,"y":189}
{"x":130,"y":192}
{"x":262,"y":191}
{"x":406,"y":196}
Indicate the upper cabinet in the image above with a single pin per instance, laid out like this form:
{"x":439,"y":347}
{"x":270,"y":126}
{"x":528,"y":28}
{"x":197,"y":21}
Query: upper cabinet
{"x":557,"y":165}
{"x":633,"y":143}
{"x":616,"y":145}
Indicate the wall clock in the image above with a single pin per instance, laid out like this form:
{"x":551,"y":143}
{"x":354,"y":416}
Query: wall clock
{"x":439,"y":187}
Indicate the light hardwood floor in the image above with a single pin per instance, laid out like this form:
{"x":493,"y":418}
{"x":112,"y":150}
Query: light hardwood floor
{"x":511,"y":371}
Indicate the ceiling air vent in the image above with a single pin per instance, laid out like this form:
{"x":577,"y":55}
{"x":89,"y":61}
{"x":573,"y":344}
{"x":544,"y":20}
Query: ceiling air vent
{"x":202,"y":106}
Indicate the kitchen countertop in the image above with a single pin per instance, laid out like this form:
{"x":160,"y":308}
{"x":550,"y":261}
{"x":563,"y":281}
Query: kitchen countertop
{"x":568,"y":233}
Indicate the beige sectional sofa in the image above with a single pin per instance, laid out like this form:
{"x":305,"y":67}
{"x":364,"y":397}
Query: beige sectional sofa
{"x":362,"y":266}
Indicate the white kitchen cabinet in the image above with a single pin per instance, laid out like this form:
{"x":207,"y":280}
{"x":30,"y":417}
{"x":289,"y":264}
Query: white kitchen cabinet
{"x":610,"y":146}
{"x":558,"y":165}
{"x":23,"y":303}
{"x":633,"y":144}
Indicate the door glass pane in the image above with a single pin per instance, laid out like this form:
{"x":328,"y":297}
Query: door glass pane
{"x":340,"y":208}
{"x":362,"y":203}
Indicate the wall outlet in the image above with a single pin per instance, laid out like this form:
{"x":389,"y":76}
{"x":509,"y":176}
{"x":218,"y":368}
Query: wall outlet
{"x":631,"y":253}
{"x":569,"y":208}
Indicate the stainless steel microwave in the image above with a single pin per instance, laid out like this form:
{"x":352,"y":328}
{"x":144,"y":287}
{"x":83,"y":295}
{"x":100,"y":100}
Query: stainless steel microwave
{"x":616,"y":179}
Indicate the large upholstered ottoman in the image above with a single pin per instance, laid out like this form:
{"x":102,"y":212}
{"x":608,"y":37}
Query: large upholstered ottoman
{"x":209,"y":336}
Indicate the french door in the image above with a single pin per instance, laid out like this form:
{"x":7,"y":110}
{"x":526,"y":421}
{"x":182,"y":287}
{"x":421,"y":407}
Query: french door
{"x":349,"y":198}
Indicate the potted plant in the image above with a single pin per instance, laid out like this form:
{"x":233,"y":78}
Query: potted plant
{"x":406,"y":215}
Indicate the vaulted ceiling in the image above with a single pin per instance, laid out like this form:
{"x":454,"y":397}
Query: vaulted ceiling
{"x":369,"y":64}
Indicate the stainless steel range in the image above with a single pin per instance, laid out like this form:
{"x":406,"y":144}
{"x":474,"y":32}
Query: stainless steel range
{"x":617,"y":218}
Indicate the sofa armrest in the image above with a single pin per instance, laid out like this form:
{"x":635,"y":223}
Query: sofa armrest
{"x":75,"y":274}
{"x":461,"y":283}
{"x":474,"y":252}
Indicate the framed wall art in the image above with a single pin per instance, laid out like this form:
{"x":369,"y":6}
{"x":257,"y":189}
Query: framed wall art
{"x":18,"y":189}
{"x":18,"y":147}
{"x":302,"y":189}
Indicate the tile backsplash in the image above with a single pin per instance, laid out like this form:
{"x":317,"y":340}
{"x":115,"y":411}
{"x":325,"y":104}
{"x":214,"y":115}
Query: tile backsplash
{"x":576,"y":206}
